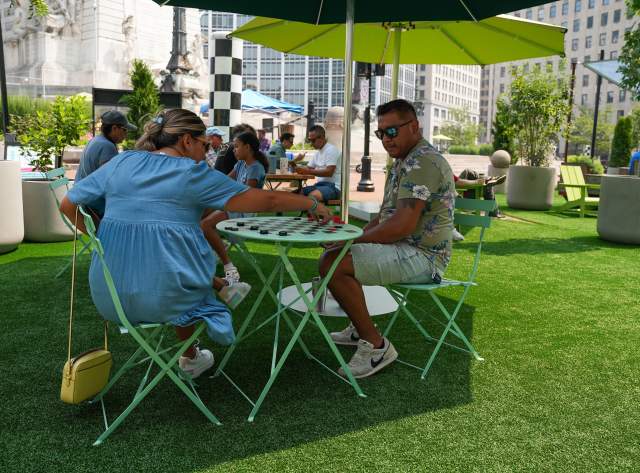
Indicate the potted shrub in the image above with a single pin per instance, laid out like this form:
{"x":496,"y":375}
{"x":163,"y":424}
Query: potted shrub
{"x":621,"y":147}
{"x":47,"y":134}
{"x":538,"y":108}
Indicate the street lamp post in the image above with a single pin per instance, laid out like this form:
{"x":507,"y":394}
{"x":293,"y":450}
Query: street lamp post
{"x":366,"y":183}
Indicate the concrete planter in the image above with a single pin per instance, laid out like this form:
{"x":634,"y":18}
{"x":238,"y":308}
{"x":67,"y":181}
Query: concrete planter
{"x":619,"y":209}
{"x":530,"y":188}
{"x":12,"y":225}
{"x":493,"y":171}
{"x":42,"y":220}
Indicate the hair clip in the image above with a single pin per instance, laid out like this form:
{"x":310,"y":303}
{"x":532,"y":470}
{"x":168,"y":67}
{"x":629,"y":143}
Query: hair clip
{"x":159,"y":120}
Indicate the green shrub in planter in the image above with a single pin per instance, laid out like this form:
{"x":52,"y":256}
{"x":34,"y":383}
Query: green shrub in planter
{"x":622,"y":143}
{"x":485,"y":149}
{"x":593,"y":165}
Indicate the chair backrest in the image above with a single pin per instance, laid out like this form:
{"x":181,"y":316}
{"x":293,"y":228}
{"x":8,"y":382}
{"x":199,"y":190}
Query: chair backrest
{"x":96,"y":246}
{"x":572,"y":175}
{"x":56,"y":179}
{"x":474,"y":213}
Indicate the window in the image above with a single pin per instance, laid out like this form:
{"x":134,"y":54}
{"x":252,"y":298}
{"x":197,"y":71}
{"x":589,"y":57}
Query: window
{"x":605,"y":2}
{"x":602,"y":40}
{"x":620,"y":114}
{"x":576,"y":25}
{"x":422,"y":80}
{"x":501,"y":88}
{"x":502,"y":71}
{"x":592,"y":4}
{"x":613,"y":55}
{"x":622,"y":95}
{"x":578,"y":7}
{"x":587,"y":42}
{"x":615,"y":36}
{"x":616,"y":16}
{"x":436,"y":112}
{"x":585,"y":80}
{"x":552,"y":11}
{"x":564,"y":24}
{"x":565,"y":8}
{"x":610,"y":97}
{"x":529,"y":14}
{"x":421,"y":94}
{"x":525,"y":69}
{"x":583,"y":99}
{"x":574,"y":44}
{"x":589,"y":22}
{"x":604,"y":19}
{"x":587,"y":58}
{"x":423,"y":67}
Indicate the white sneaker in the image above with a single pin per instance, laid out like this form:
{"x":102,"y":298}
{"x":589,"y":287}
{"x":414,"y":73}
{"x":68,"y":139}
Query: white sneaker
{"x":233,"y":295}
{"x":348,"y":336}
{"x":368,"y":360}
{"x":194,"y":367}
{"x":457,"y":236}
{"x":231,"y":274}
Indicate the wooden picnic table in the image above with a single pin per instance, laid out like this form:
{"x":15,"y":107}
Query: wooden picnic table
{"x":274,"y":181}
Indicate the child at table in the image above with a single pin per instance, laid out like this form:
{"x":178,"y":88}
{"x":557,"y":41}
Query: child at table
{"x":250,"y":170}
{"x":155,"y":197}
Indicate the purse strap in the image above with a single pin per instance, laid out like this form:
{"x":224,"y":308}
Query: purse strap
{"x":73,"y":280}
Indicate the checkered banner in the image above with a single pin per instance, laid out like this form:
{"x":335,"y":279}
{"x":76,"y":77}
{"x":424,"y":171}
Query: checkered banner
{"x":225,"y":82}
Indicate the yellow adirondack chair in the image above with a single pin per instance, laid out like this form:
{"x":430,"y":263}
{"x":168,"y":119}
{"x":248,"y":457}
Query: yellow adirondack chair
{"x":577,"y":195}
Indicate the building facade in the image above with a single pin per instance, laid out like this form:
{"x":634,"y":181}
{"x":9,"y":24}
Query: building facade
{"x":441,"y":91}
{"x":82,"y":44}
{"x":593,"y":26}
{"x":299,"y":79}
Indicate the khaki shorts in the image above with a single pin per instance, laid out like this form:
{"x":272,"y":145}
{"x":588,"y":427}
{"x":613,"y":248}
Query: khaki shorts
{"x":378,"y":264}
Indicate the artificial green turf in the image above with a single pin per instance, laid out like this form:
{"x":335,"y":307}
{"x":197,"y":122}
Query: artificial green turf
{"x":556,"y":316}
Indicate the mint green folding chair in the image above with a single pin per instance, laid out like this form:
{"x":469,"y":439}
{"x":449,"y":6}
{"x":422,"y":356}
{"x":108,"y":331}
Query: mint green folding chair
{"x":401,"y":292}
{"x":150,"y":338}
{"x":56,"y":179}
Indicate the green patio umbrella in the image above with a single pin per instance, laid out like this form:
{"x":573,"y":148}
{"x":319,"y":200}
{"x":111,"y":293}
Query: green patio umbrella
{"x":361,"y":11}
{"x":498,"y":39}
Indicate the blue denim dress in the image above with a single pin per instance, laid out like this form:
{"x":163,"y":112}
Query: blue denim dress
{"x":157,"y":254}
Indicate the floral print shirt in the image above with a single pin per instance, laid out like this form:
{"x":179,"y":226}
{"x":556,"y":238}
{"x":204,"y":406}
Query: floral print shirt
{"x":424,"y":174}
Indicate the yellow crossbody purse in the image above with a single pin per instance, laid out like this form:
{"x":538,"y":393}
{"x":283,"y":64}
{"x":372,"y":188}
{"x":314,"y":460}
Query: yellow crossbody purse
{"x":87,"y":374}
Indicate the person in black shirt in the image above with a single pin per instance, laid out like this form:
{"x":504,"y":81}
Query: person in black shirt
{"x":227,"y":162}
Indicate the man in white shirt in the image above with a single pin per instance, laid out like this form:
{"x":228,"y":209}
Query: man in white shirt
{"x":325,"y":165}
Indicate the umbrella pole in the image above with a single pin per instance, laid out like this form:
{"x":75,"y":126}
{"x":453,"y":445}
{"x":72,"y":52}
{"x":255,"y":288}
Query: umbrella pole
{"x":395,"y":73}
{"x":346,"y":137}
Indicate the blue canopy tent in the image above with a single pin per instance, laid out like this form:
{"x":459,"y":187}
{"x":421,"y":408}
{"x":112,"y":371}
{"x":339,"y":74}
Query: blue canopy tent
{"x":253,"y":101}
{"x":606,"y":69}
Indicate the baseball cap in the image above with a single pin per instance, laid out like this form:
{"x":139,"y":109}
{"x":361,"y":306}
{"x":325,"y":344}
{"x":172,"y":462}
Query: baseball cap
{"x":212,"y":130}
{"x":113,"y":117}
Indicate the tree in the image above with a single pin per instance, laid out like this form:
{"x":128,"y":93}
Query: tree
{"x":622,"y":143}
{"x":460,"y":128}
{"x":539,"y":106}
{"x":630,"y":55}
{"x":502,"y":129}
{"x":144,"y":101}
{"x":49,"y":132}
{"x":635,"y":127}
{"x":582,"y":129}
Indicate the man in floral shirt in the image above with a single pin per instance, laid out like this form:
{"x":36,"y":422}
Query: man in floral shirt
{"x":408,"y":242}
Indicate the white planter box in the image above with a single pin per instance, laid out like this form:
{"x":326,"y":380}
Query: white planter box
{"x":42,"y":220}
{"x":530,"y":188}
{"x":11,"y":222}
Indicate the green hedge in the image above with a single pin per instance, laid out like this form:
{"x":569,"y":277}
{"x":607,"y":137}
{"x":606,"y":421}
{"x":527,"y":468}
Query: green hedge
{"x":484,"y":149}
{"x":21,"y":106}
{"x":594,"y":165}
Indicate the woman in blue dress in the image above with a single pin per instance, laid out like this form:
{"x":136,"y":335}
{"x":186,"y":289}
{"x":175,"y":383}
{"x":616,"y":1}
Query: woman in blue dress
{"x":154,"y":199}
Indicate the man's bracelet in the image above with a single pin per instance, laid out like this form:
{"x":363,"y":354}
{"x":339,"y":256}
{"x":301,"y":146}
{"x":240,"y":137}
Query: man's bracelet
{"x":315,"y":204}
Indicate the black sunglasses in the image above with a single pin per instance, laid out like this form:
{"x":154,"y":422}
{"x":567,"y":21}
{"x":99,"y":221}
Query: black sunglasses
{"x":391,"y":132}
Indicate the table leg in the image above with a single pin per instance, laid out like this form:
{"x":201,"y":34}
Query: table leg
{"x":247,"y":321}
{"x":314,"y":313}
